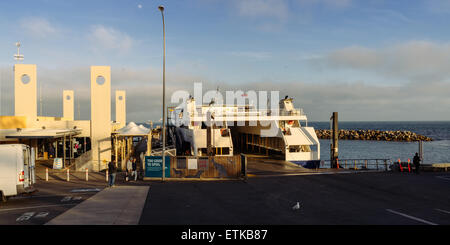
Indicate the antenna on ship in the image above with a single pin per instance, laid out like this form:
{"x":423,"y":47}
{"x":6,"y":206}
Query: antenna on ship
{"x":19,"y":57}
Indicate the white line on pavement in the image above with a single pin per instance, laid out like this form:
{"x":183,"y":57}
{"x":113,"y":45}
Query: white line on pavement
{"x":443,"y":177}
{"x":25,"y":216}
{"x":443,"y":211}
{"x":42,"y":215}
{"x":411,"y":217}
{"x":12,"y":209}
{"x":39,"y":196}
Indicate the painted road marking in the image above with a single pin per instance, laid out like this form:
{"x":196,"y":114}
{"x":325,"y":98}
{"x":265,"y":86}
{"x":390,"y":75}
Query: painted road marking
{"x":443,"y":177}
{"x":12,"y":209}
{"x":66,"y":199}
{"x":411,"y":217}
{"x":86,"y":190}
{"x":39,"y":196}
{"x":41,"y":215}
{"x":76,"y":198}
{"x":443,"y":211}
{"x":25,"y":216}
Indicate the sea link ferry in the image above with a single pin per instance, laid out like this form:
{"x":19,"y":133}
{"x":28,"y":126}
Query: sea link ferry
{"x":227,"y":130}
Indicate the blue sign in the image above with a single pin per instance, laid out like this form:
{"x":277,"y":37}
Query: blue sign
{"x":153,"y":166}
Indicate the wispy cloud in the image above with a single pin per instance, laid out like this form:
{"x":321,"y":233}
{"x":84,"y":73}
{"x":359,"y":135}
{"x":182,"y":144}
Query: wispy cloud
{"x":438,"y":6}
{"x":422,"y":61}
{"x":353,"y":100}
{"x":252,"y":55}
{"x":38,"y":27}
{"x":277,"y":9}
{"x":108,"y":38}
{"x":329,"y":3}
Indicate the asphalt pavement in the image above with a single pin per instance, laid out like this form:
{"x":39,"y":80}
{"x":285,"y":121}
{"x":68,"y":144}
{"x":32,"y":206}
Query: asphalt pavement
{"x":385,"y":198}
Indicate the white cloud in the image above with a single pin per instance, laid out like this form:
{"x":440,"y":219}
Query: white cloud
{"x":419,"y":61}
{"x":108,"y":38}
{"x":353,"y":100}
{"x":252,"y":55}
{"x":438,"y":6}
{"x":277,"y":9}
{"x":38,"y":27}
{"x":330,"y":3}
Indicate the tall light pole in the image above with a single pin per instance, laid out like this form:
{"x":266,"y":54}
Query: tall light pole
{"x":161,"y":8}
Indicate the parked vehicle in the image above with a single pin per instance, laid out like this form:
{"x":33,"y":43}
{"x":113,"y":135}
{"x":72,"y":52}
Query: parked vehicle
{"x":17,"y":170}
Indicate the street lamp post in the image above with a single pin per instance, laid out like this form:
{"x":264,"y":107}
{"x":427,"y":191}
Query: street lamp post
{"x":161,"y":8}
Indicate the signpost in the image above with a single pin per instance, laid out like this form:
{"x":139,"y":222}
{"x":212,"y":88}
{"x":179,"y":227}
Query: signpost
{"x":57,"y":163}
{"x":153,"y":166}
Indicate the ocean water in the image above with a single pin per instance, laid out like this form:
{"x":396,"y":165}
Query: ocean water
{"x":437,"y":151}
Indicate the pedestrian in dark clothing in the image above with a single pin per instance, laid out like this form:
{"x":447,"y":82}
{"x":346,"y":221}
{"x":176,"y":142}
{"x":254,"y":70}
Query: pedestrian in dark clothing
{"x":416,"y":162}
{"x":112,"y":170}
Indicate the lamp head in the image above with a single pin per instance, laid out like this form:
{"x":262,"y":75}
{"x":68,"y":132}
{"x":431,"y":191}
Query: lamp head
{"x":161,"y":8}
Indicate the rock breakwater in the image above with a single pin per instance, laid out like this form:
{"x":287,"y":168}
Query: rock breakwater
{"x":378,"y":135}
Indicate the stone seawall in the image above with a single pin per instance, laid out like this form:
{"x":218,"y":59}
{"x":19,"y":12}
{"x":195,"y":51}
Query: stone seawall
{"x":403,"y":136}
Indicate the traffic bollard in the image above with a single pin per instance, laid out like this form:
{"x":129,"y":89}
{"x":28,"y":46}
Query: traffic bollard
{"x":68,"y":173}
{"x":400,"y":164}
{"x":409,"y":166}
{"x":87,"y":174}
{"x":106,"y":175}
{"x":46,"y":174}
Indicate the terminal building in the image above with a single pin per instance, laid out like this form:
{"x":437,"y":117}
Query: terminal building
{"x":83,"y":144}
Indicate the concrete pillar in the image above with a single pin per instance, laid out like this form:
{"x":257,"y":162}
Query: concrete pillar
{"x":25,"y":91}
{"x":100,"y":116}
{"x":68,"y":105}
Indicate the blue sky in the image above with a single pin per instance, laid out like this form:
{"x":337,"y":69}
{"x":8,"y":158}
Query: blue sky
{"x":351,"y":56}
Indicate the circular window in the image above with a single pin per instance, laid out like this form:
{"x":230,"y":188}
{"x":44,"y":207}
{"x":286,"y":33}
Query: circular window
{"x":68,"y":97}
{"x":121,"y":97}
{"x":100,"y":80}
{"x":25,"y":79}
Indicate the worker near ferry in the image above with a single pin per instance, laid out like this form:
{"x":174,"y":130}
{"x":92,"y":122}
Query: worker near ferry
{"x":112,"y":170}
{"x":416,"y":162}
{"x":134,"y":169}
{"x":129,"y":168}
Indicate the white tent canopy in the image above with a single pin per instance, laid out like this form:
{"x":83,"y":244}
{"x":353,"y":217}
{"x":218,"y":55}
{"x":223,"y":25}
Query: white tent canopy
{"x":133,"y":130}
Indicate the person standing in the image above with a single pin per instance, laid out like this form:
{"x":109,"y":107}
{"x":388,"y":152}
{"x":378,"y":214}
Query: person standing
{"x":112,"y":170}
{"x":416,"y":162}
{"x":134,"y":168}
{"x":129,"y":168}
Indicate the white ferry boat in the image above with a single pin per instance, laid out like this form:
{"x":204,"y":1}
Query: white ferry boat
{"x":226,"y":130}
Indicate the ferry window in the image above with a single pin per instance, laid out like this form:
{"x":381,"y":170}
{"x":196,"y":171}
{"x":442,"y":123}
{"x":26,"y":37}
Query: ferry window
{"x":294,"y":148}
{"x":305,"y":148}
{"x":225,"y":151}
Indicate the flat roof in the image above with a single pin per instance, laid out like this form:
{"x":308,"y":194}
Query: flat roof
{"x":39,"y":133}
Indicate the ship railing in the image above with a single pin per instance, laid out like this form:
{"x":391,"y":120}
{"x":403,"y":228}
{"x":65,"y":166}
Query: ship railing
{"x":252,"y":112}
{"x":360,"y":164}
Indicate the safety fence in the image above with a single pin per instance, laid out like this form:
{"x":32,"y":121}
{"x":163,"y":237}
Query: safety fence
{"x":359,"y":164}
{"x":214,"y":167}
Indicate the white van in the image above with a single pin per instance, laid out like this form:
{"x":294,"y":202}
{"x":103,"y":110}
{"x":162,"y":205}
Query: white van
{"x":17,"y":166}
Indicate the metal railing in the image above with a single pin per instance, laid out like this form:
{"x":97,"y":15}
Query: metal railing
{"x":360,"y":164}
{"x":251,"y":112}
